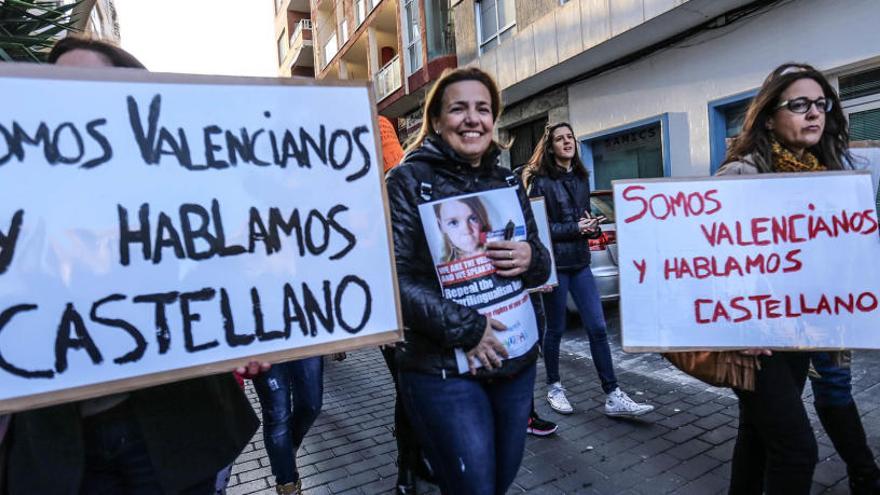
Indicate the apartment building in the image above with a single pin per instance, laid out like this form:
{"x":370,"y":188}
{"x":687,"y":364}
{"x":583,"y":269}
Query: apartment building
{"x":657,"y":88}
{"x":293,"y":35}
{"x":399,"y":45}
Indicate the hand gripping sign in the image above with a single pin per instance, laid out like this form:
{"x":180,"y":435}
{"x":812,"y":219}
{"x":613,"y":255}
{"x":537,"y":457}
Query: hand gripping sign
{"x":781,"y":261}
{"x":157,"y":227}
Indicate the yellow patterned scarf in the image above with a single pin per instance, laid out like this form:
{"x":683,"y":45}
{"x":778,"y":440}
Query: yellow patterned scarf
{"x":785,"y":161}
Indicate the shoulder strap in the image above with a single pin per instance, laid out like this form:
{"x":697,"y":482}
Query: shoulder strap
{"x":424,"y":173}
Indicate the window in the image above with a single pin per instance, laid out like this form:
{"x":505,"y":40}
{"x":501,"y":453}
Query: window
{"x":496,"y":20}
{"x":860,"y":95}
{"x":330,"y":49}
{"x":343,"y":31}
{"x":412,"y":35}
{"x":634,"y":151}
{"x":360,"y":11}
{"x":282,"y":46}
{"x":726,"y":118}
{"x":525,"y":138}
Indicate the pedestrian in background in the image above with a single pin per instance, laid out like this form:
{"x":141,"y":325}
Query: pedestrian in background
{"x":556,"y":173}
{"x":291,"y":396}
{"x":794,"y":124}
{"x":472,"y":426}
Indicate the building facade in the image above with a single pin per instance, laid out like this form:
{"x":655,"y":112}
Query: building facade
{"x":96,"y":19}
{"x":293,"y":35}
{"x":398,"y":45}
{"x":657,"y":88}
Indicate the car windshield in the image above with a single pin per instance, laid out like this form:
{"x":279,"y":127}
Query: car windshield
{"x":602,"y":203}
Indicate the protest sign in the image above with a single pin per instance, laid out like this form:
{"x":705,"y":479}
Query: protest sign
{"x":457,"y":230}
{"x":780,"y":261}
{"x":539,"y":211}
{"x":156,"y":227}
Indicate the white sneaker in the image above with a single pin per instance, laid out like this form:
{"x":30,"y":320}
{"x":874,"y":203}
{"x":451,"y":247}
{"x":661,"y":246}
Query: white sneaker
{"x":619,"y":404}
{"x":558,"y":401}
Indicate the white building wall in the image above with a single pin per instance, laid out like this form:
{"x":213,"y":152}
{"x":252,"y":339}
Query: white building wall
{"x":681,"y":81}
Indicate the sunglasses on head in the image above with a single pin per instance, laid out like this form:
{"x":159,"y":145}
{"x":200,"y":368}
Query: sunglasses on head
{"x":803,"y":104}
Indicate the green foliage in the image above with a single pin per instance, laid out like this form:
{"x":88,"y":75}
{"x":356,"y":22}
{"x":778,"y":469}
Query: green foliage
{"x":28,"y":28}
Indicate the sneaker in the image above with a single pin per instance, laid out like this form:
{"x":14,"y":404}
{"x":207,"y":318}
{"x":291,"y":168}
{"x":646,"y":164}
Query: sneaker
{"x":619,"y":404}
{"x":540,"y":427}
{"x":558,"y":401}
{"x":292,"y":488}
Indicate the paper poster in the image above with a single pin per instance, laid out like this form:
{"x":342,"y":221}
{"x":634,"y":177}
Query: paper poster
{"x":457,"y":230}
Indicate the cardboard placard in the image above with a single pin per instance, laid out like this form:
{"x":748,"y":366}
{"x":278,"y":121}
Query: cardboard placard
{"x":779,"y":261}
{"x":539,"y":211}
{"x":157,"y":227}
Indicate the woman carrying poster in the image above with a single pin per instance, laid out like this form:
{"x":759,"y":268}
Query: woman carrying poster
{"x":556,"y":173}
{"x":466,"y":378}
{"x":795,"y":124}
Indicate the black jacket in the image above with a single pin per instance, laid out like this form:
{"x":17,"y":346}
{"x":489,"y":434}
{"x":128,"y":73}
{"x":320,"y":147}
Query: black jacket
{"x":192,"y":429}
{"x":434,"y":325}
{"x":566,"y":197}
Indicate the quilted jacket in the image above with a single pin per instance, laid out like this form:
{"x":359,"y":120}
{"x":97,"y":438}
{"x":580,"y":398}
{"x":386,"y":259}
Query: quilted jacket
{"x":434,"y":325}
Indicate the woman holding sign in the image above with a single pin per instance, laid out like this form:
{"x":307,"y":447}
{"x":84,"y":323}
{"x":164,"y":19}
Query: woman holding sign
{"x":171,"y":438}
{"x":470,"y":420}
{"x":557,"y":173}
{"x":795,"y":124}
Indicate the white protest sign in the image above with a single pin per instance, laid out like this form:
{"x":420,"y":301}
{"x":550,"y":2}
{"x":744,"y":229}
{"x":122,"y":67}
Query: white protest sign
{"x":156,"y":227}
{"x":539,"y":211}
{"x":783,"y":261}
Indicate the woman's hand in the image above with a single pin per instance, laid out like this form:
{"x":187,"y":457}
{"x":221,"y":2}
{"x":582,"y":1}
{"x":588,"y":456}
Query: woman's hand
{"x":511,"y":258}
{"x":252,"y":369}
{"x":489,"y":351}
{"x":756,"y":352}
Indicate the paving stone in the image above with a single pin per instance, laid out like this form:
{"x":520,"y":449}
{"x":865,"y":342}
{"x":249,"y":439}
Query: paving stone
{"x":351,"y":449}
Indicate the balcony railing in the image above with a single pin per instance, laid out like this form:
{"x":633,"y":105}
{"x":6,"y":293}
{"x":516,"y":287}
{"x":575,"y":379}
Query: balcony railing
{"x":388,"y":79}
{"x":297,"y":39}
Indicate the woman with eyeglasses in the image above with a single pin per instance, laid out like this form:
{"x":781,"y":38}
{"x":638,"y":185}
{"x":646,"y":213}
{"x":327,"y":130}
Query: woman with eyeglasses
{"x":794,"y":124}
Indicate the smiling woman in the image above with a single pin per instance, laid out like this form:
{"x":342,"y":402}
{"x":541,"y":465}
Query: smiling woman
{"x":472,"y":427}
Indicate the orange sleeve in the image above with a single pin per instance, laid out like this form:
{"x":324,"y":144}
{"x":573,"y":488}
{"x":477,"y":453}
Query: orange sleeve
{"x":392,"y":153}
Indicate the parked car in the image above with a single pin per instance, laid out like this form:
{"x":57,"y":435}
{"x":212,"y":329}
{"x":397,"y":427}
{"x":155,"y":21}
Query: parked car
{"x":603,"y":250}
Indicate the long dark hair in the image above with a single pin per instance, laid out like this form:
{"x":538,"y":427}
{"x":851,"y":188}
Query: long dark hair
{"x":832,"y":150}
{"x":117,"y":56}
{"x":543,"y":161}
{"x":434,"y":100}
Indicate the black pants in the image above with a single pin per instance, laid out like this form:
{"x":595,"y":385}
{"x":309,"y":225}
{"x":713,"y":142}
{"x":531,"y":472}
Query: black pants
{"x":408,"y":452}
{"x":775,"y":447}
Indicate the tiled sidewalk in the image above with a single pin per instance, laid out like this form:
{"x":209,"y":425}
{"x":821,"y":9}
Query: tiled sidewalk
{"x":683,"y":448}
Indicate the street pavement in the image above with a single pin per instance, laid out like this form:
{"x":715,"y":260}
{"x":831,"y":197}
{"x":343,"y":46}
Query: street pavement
{"x":683,"y":447}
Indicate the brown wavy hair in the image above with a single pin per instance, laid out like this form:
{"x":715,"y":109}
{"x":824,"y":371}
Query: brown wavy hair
{"x":543,"y":161}
{"x":832,"y":150}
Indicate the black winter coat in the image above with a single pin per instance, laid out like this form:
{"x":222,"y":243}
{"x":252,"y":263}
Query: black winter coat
{"x":192,"y":429}
{"x":435,"y":325}
{"x":566,"y":197}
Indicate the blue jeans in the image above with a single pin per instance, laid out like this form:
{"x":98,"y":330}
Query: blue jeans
{"x":834,"y":388}
{"x":286,"y":421}
{"x":117,"y":460}
{"x":586,"y":297}
{"x":472,"y":431}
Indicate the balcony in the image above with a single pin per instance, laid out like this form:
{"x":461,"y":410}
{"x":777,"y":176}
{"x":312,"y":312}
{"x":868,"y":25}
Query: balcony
{"x":301,"y":45}
{"x":387,"y":79}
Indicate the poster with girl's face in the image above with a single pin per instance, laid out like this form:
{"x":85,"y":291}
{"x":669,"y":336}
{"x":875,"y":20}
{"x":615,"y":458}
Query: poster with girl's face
{"x":457,"y":230}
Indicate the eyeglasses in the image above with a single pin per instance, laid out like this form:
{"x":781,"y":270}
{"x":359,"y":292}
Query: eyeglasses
{"x":803,"y":104}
